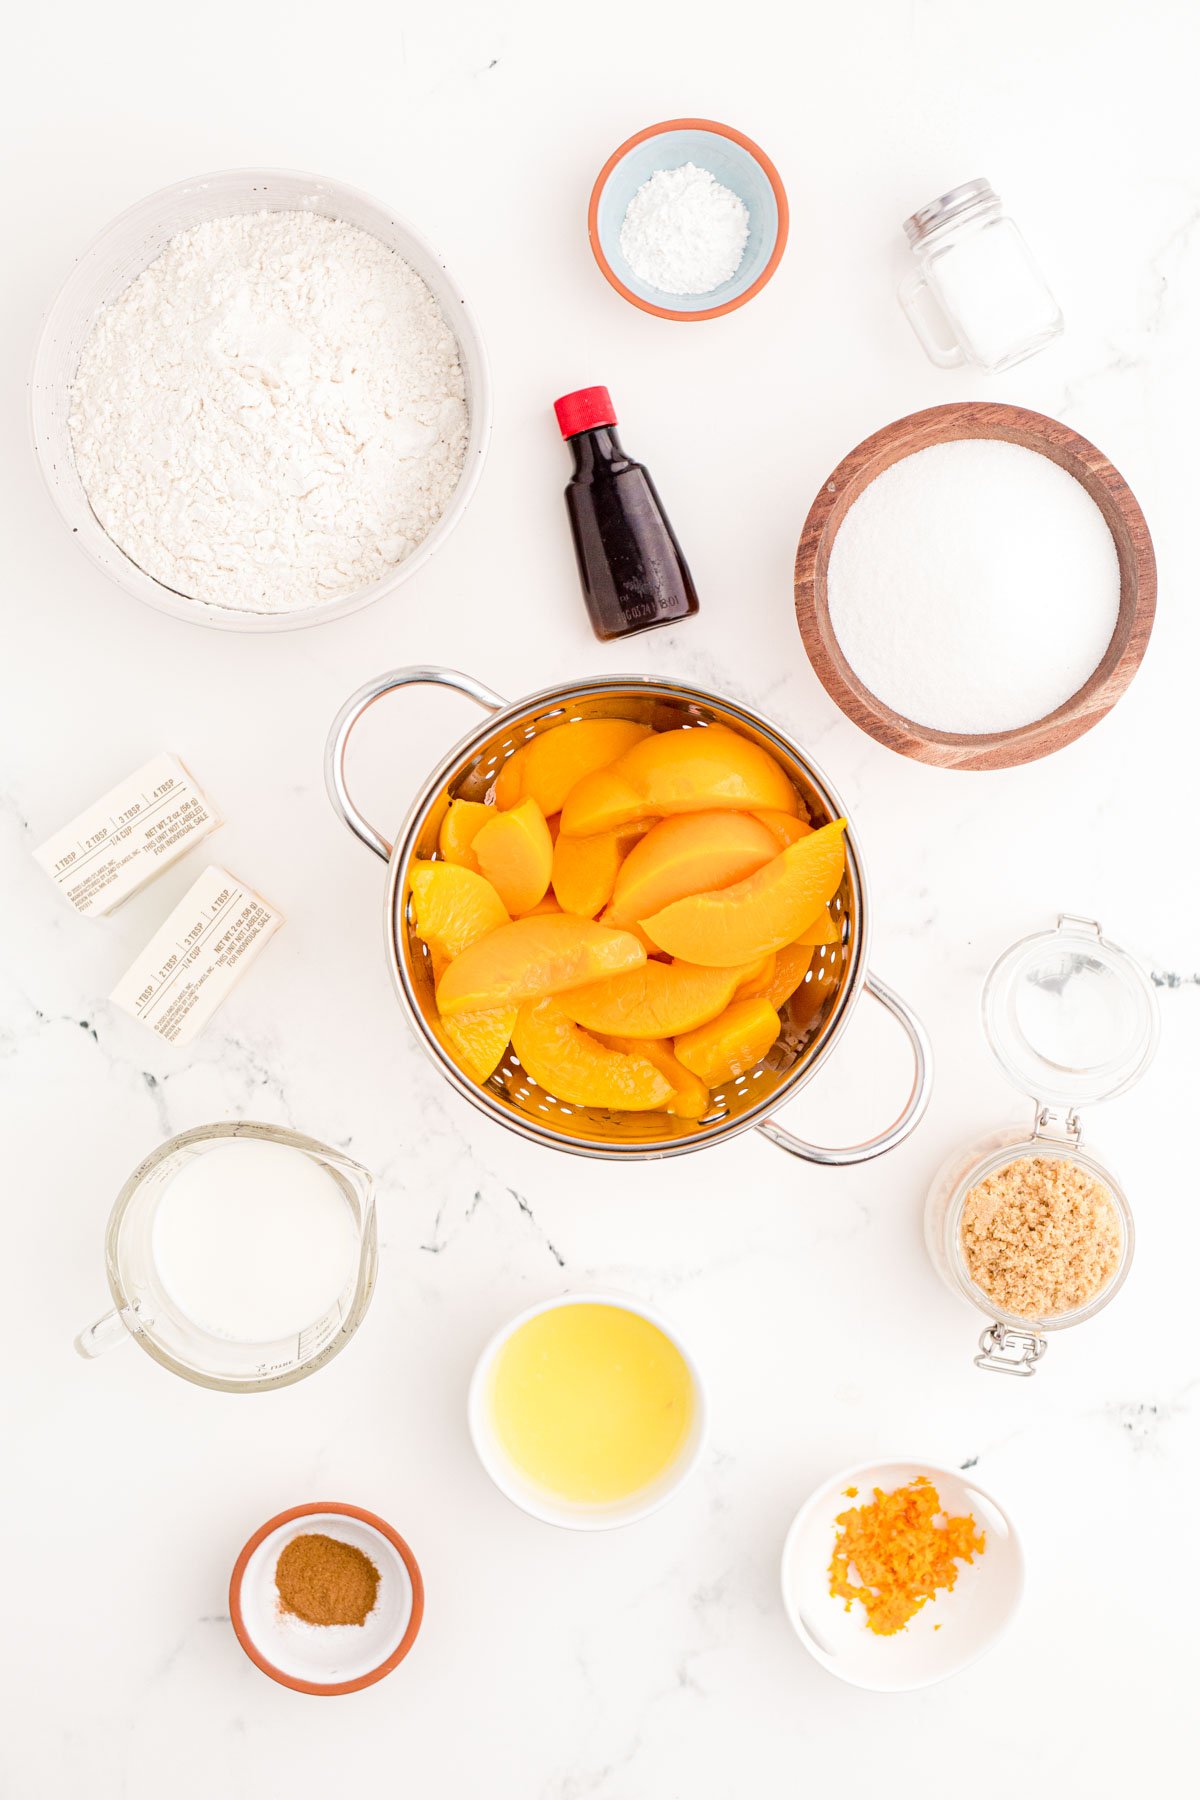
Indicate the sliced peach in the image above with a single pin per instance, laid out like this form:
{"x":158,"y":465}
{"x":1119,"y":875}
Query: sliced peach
{"x":769,"y":909}
{"x":514,"y":851}
{"x":651,"y":949}
{"x":548,"y":766}
{"x":791,"y":966}
{"x":690,"y":1098}
{"x":477,"y":1041}
{"x":547,"y":904}
{"x":534,"y":957}
{"x":453,"y":907}
{"x":824,"y":929}
{"x":761,"y":975}
{"x":731,"y":1044}
{"x":783,"y":828}
{"x":692,"y":853}
{"x":701,"y":769}
{"x":463,"y":822}
{"x":573,"y":1066}
{"x":654,"y":1001}
{"x":585,"y":869}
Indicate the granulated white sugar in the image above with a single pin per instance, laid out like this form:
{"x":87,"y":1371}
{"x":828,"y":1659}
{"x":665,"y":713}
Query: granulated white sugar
{"x":974,"y":586}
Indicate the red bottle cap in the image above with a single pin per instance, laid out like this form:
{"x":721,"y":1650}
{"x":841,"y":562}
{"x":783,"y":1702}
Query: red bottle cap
{"x":584,"y":409}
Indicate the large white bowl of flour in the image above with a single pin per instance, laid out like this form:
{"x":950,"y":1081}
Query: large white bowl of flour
{"x":260,"y":400}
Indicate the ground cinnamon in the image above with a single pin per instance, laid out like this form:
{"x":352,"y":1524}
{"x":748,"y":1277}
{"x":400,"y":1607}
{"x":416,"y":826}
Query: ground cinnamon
{"x":325,"y":1581}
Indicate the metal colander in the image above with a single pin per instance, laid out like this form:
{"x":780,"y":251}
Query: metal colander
{"x":812,"y":1020}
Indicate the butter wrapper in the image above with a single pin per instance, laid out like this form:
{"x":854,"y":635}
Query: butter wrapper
{"x":197,"y":957}
{"x":128,"y":837}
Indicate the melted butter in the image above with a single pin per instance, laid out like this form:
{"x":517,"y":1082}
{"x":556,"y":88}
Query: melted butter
{"x":591,"y":1402}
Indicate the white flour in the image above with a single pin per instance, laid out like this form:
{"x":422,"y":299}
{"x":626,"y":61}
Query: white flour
{"x":974,"y":586}
{"x":684,"y":233}
{"x":272,"y":414}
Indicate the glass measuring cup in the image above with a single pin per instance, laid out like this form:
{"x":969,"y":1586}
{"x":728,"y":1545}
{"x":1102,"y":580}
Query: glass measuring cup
{"x":145,"y":1309}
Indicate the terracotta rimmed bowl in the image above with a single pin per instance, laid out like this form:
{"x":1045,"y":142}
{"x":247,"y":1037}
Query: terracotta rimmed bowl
{"x":1135,"y":558}
{"x":326,"y":1659}
{"x":734,"y":160}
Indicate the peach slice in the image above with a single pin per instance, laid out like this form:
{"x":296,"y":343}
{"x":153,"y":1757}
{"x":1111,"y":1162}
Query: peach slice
{"x":825,"y":929}
{"x":548,"y":766}
{"x":791,"y":966}
{"x":692,"y":853}
{"x":547,"y":904}
{"x":534,"y":957}
{"x":731,"y":1044}
{"x":690,"y":1099}
{"x":463,"y":822}
{"x":783,"y":828}
{"x":758,"y":980}
{"x":452,"y":908}
{"x":585,"y":869}
{"x":515,"y":852}
{"x":654,"y":1001}
{"x":769,"y":909}
{"x":573,"y":1066}
{"x":477,"y":1041}
{"x":651,"y":949}
{"x":701,"y":769}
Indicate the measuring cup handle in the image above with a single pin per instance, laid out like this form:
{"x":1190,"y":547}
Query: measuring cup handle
{"x":112,"y":1329}
{"x":914,"y":1109}
{"x":352,"y":712}
{"x":917,"y":301}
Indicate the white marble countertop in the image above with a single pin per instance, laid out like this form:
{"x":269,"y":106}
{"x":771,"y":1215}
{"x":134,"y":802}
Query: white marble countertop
{"x":657,"y":1660}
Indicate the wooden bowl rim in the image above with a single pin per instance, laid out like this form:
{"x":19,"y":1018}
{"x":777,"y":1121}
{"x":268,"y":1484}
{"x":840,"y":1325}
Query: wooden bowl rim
{"x":954,"y":421}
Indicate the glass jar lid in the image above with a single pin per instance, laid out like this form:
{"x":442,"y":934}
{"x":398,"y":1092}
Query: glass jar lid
{"x":1070,"y":1017}
{"x":965,"y":198}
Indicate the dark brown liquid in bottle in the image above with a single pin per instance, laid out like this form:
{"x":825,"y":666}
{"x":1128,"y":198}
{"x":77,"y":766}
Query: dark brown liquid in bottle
{"x":633,"y":572}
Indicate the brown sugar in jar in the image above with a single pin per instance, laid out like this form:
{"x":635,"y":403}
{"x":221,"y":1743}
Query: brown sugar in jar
{"x":1027,"y":1225}
{"x":1041,"y":1237}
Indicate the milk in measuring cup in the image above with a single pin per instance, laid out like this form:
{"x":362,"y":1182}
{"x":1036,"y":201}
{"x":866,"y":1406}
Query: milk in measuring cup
{"x":254,"y":1241}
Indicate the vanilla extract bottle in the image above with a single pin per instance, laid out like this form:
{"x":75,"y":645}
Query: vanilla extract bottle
{"x":632,"y":570}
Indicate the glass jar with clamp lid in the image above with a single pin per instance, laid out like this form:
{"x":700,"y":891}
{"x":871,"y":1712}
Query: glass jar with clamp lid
{"x":1071,"y":1019}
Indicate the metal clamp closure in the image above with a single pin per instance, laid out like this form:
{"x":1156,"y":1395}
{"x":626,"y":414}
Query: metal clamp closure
{"x":1003,"y":1351}
{"x":1053,"y":1123}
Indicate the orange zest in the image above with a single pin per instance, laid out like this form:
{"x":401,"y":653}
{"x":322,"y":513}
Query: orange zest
{"x":900,"y":1553}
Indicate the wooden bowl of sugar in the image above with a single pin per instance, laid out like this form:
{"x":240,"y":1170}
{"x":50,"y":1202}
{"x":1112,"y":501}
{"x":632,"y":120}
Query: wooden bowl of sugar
{"x":968,"y":603}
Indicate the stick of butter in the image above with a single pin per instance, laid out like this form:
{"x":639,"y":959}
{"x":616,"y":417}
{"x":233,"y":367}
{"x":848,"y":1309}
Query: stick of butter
{"x":128,"y":837}
{"x":194,"y":960}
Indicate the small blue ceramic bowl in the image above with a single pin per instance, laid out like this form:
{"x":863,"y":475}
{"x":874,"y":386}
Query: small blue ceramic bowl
{"x":734,"y":161}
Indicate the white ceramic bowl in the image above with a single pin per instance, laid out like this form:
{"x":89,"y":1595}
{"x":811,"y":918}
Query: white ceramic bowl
{"x":535,"y":1500}
{"x":119,"y":254}
{"x":326,"y":1659}
{"x":948,"y":1633}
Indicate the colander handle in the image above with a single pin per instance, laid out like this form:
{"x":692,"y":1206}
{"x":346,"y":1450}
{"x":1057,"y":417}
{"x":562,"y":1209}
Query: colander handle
{"x":914,"y":1108}
{"x":420,"y":675}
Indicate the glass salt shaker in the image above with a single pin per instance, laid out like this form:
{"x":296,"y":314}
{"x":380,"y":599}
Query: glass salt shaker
{"x":976,"y":282}
{"x":1071,"y":1019}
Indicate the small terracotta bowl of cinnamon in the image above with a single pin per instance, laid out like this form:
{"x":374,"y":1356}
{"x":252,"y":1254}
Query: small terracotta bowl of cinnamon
{"x":326,"y":1598}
